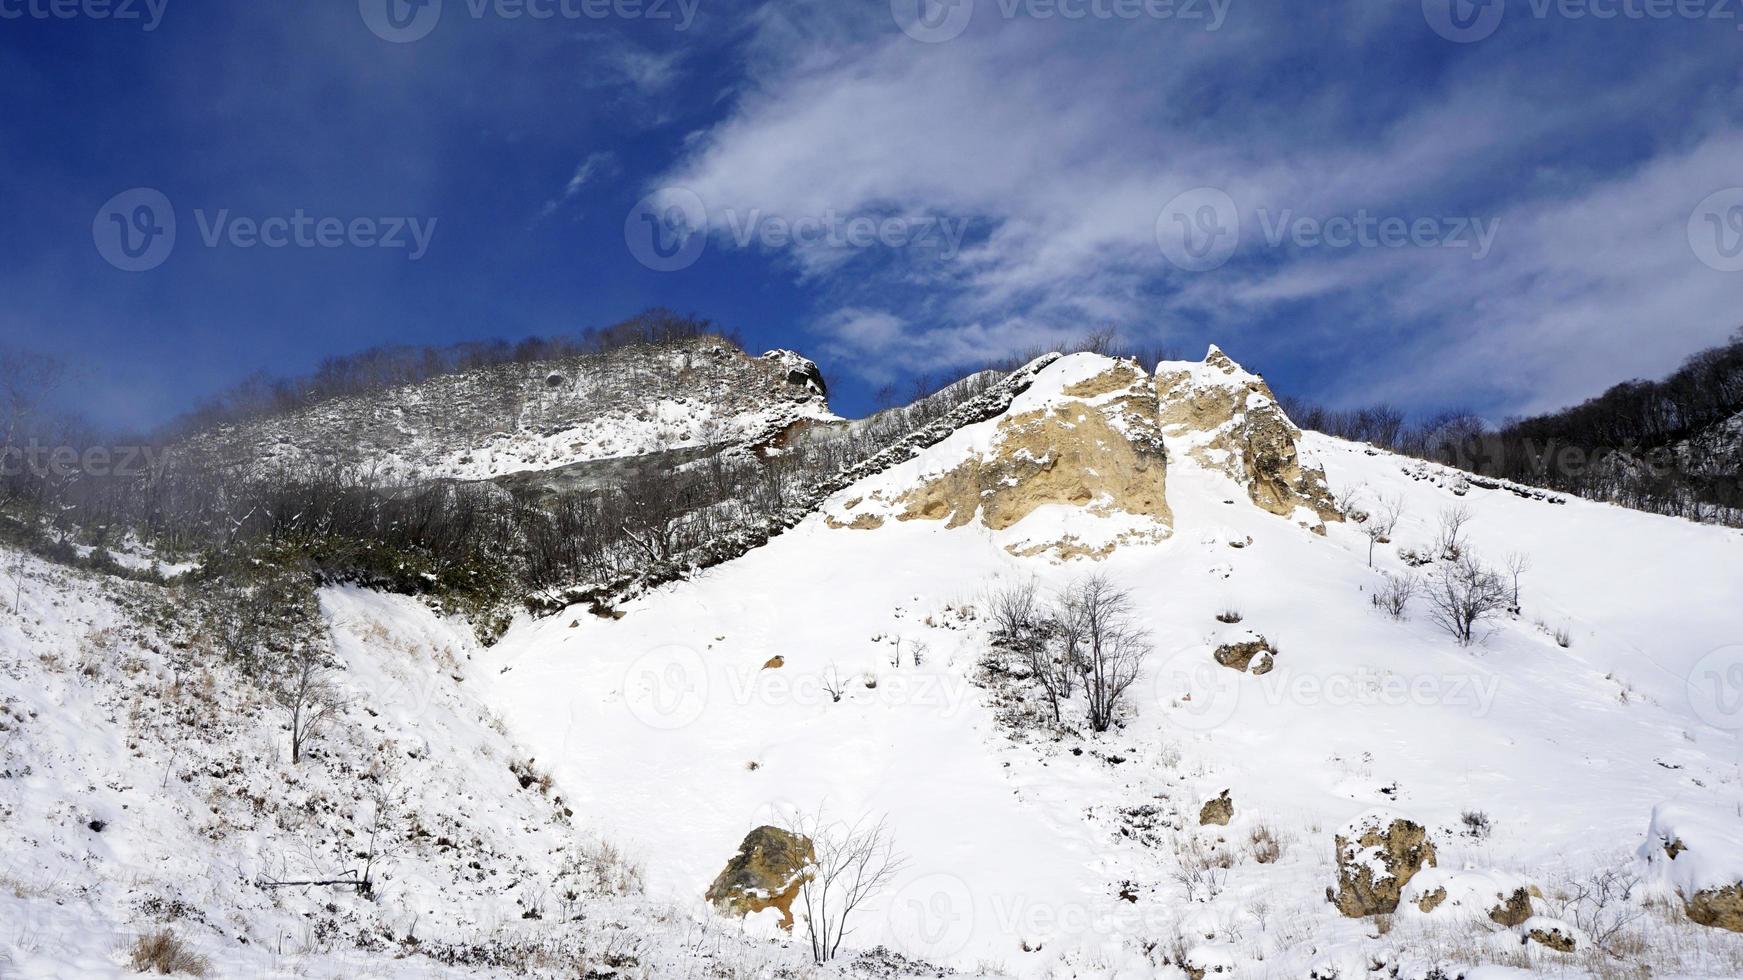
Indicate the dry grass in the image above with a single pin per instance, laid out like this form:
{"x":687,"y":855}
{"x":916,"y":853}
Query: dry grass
{"x":161,"y":952}
{"x":1265,"y":844}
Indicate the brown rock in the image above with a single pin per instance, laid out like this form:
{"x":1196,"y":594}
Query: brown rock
{"x":1377,"y":855}
{"x":767,"y":872}
{"x":1218,"y":811}
{"x":775,"y":663}
{"x":1720,"y":908}
{"x":1552,"y":935}
{"x":1514,"y":911}
{"x":1256,"y":654}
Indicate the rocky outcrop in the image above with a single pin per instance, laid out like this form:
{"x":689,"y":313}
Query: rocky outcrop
{"x":1217,"y":812}
{"x":1500,"y":897}
{"x":1084,"y":439}
{"x":1377,"y":855}
{"x":1247,"y":652}
{"x":1693,"y":857}
{"x":1228,"y":420}
{"x":767,"y":872}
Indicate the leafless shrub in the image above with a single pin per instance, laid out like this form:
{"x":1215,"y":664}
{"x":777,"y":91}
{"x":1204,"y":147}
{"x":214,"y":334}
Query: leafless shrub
{"x":1229,"y":616}
{"x":161,"y":952}
{"x":1518,"y":563}
{"x":853,"y":863}
{"x":1393,"y":598}
{"x":1477,"y":824}
{"x":1016,"y":614}
{"x":603,"y":870}
{"x":1600,"y":904}
{"x":1450,"y":541}
{"x":1563,"y":638}
{"x":1463,"y":596}
{"x":836,"y":687}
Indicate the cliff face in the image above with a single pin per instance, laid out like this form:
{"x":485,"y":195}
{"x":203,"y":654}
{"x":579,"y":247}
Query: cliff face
{"x":1228,"y":420}
{"x":1078,"y":465}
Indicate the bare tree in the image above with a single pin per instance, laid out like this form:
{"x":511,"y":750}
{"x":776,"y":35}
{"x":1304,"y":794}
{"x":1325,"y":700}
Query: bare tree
{"x":1463,"y":595}
{"x":307,"y":692}
{"x":1112,"y":648}
{"x":1449,"y":542}
{"x":1382,"y":522}
{"x":852,"y":863}
{"x":1518,"y":563}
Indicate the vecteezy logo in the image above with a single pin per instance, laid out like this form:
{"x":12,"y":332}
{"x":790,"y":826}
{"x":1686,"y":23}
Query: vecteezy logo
{"x":667,"y":688}
{"x":1199,"y":693}
{"x":401,"y":21}
{"x":667,"y":230}
{"x":1716,"y":230}
{"x":1199,"y":230}
{"x":1464,"y":21}
{"x":932,"y":916}
{"x":1715,"y":688}
{"x":932,"y":21}
{"x":136,"y":230}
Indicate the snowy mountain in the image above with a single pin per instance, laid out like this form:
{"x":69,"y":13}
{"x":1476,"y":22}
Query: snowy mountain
{"x":543,"y":415}
{"x":1303,"y":773}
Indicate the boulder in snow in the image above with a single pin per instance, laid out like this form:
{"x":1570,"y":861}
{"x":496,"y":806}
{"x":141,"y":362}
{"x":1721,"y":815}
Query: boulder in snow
{"x":1694,"y":856}
{"x":1377,"y":855}
{"x":767,"y":872}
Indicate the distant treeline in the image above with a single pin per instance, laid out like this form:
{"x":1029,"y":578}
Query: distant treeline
{"x":1619,"y":447}
{"x":381,"y":368}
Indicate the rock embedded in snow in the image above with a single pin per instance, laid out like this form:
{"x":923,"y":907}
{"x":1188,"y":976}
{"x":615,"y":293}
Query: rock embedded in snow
{"x":1503,"y":898}
{"x":1696,"y":857}
{"x":1550,"y":933}
{"x":1377,"y":855}
{"x":767,"y":872}
{"x":1228,"y":419}
{"x":1249,"y":652}
{"x":1218,"y":811}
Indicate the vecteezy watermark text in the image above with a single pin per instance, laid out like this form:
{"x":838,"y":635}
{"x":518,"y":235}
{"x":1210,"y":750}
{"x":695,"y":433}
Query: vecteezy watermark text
{"x":136,"y":231}
{"x":147,"y":13}
{"x":1470,"y":21}
{"x":405,"y":21}
{"x":1365,"y":230}
{"x":936,"y":21}
{"x":62,"y":462}
{"x":669,"y":229}
{"x":834,"y":230}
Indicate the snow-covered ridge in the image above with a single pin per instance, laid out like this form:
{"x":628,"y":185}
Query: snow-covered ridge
{"x":517,"y":418}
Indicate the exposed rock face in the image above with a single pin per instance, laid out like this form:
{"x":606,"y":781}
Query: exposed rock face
{"x":1721,"y":908}
{"x":1085,"y":438}
{"x":1250,"y":652}
{"x":1377,"y":855}
{"x":766,"y":873}
{"x":1218,"y":811}
{"x":1228,"y":419}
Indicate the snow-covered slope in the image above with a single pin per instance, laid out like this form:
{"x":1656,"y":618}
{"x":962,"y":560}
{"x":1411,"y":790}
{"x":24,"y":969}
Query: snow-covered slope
{"x":145,"y":785}
{"x":709,"y":709}
{"x":517,"y":418}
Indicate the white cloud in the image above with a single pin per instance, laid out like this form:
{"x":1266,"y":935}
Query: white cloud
{"x":1062,"y":143}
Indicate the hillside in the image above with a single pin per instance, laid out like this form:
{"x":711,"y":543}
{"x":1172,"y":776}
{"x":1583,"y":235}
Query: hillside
{"x":538,"y":416}
{"x":1559,"y":795}
{"x":1039,"y":850}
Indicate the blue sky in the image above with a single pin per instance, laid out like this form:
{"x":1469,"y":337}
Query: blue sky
{"x":1506,"y":210}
